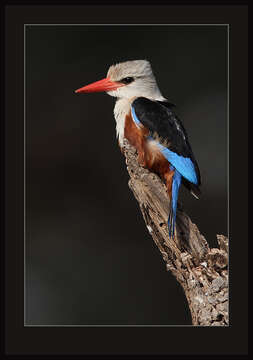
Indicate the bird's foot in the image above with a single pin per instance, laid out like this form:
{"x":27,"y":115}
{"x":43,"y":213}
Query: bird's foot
{"x":141,"y":160}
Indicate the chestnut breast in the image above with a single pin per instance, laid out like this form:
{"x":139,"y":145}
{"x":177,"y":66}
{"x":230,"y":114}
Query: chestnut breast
{"x":137,"y":137}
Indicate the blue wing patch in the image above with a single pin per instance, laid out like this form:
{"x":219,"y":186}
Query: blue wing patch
{"x":183,"y":165}
{"x":136,"y":120}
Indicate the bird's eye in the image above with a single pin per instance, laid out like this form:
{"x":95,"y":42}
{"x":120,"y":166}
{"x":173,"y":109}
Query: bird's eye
{"x":127,"y":80}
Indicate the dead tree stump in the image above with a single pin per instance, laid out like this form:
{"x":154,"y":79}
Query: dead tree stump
{"x":201,"y":271}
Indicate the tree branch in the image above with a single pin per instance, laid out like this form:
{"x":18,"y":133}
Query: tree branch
{"x":202,"y":272}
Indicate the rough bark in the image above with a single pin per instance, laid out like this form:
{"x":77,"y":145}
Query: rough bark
{"x":201,"y":271}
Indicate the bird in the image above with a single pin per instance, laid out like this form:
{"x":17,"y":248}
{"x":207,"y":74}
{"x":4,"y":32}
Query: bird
{"x":148,"y":121}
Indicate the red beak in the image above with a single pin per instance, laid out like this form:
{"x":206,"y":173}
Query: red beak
{"x":101,"y":85}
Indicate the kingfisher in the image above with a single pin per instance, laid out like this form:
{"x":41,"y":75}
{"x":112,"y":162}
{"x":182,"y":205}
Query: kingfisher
{"x":148,"y":121}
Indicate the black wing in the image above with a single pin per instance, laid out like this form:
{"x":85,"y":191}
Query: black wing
{"x":165,"y":127}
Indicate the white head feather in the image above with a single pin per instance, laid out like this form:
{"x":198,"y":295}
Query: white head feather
{"x":143,"y":84}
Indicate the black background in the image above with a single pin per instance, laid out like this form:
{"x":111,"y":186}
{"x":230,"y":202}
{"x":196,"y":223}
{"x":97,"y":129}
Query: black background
{"x":90,"y":259}
{"x":29,"y":340}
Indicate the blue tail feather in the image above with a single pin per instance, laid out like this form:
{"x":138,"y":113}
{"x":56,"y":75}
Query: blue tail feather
{"x":176,"y":182}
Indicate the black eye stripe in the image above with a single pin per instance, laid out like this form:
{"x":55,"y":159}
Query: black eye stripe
{"x":127,"y":80}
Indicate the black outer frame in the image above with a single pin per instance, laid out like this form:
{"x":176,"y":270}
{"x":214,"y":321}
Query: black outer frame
{"x":20,"y":340}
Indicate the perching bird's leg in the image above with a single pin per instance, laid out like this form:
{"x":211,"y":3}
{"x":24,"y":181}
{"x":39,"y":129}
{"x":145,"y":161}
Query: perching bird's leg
{"x":142,"y":158}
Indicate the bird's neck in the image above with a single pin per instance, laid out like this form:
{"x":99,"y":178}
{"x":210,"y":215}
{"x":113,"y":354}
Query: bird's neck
{"x":121,"y":109}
